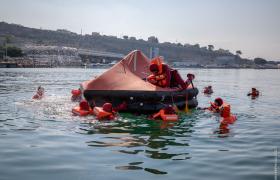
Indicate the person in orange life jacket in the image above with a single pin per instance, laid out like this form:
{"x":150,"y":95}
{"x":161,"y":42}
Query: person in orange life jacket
{"x":190,"y":78}
{"x":166,"y":114}
{"x":254,"y":93}
{"x":84,"y":105}
{"x":219,"y":106}
{"x":105,"y":113}
{"x":163,"y":76}
{"x":40,"y":93}
{"x":76,"y":95}
{"x":216,"y":106}
{"x":208,"y":90}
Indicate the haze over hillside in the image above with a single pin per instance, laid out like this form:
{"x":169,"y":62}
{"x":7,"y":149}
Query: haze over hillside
{"x":22,"y":36}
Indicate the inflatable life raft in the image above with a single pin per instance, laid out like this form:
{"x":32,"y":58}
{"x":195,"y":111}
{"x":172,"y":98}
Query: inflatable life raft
{"x":126,"y":82}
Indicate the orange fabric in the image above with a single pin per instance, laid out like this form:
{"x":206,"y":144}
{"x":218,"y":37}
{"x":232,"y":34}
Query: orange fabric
{"x":207,"y":90}
{"x":229,"y":120}
{"x":158,"y":61}
{"x":225,"y":110}
{"x":84,"y":105}
{"x":160,"y":77}
{"x":165,"y":117}
{"x":213,"y":107}
{"x":101,"y":114}
{"x":159,"y":80}
{"x":76,"y":92}
{"x":107,"y":107}
{"x":80,"y":112}
{"x":36,"y":96}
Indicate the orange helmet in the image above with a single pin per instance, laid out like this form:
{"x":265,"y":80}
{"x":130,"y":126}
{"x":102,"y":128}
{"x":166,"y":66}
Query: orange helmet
{"x":154,"y":68}
{"x":84,"y":105}
{"x":169,"y":110}
{"x":76,"y":92}
{"x":107,"y":107}
{"x":219,"y":101}
{"x":157,"y":61}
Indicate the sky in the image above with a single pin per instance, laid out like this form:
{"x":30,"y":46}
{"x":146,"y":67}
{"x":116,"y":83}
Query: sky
{"x":252,"y":26}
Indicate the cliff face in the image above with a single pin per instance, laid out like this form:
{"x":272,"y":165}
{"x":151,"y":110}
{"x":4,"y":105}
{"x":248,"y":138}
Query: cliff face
{"x":21,"y":35}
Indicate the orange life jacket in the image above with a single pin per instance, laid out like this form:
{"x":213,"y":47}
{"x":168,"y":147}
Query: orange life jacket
{"x":225,"y":110}
{"x":38,"y":95}
{"x":160,"y":80}
{"x":227,"y":117}
{"x":76,"y":92}
{"x":158,"y":61}
{"x":207,"y":91}
{"x":81,"y":112}
{"x":213,"y":108}
{"x":165,"y":117}
{"x":101,"y":114}
{"x":255,"y":93}
{"x":161,"y":77}
{"x":228,"y":120}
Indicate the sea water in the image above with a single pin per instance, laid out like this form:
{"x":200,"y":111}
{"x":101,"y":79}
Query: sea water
{"x":41,"y":139}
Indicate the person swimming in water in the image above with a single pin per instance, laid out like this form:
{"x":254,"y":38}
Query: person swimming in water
{"x":76,"y":95}
{"x":208,"y":90}
{"x":40,"y":93}
{"x":254,"y":93}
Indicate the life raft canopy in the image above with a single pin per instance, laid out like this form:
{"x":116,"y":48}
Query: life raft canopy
{"x":129,"y":74}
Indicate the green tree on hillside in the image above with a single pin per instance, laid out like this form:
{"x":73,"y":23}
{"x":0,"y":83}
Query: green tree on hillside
{"x":210,"y":47}
{"x":153,"y":39}
{"x":238,"y":53}
{"x":13,"y":51}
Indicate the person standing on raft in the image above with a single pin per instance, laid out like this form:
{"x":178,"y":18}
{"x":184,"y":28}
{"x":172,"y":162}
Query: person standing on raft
{"x":164,"y":76}
{"x":189,"y":81}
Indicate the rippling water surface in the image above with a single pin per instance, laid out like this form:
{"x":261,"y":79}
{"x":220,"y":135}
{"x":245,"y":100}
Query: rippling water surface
{"x":42,"y":140}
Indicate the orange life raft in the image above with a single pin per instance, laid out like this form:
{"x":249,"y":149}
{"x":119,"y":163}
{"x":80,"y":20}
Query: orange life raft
{"x":127,"y":82}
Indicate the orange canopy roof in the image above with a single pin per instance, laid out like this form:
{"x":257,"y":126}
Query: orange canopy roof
{"x":128,"y":74}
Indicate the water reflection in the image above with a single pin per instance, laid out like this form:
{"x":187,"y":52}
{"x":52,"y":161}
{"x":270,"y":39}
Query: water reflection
{"x":138,"y":136}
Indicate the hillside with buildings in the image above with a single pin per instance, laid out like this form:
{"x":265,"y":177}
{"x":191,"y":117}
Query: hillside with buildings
{"x":63,"y":47}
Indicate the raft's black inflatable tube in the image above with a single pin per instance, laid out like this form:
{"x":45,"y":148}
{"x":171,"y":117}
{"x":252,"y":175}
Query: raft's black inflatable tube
{"x":151,"y":95}
{"x":144,"y":101}
{"x":152,"y":107}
